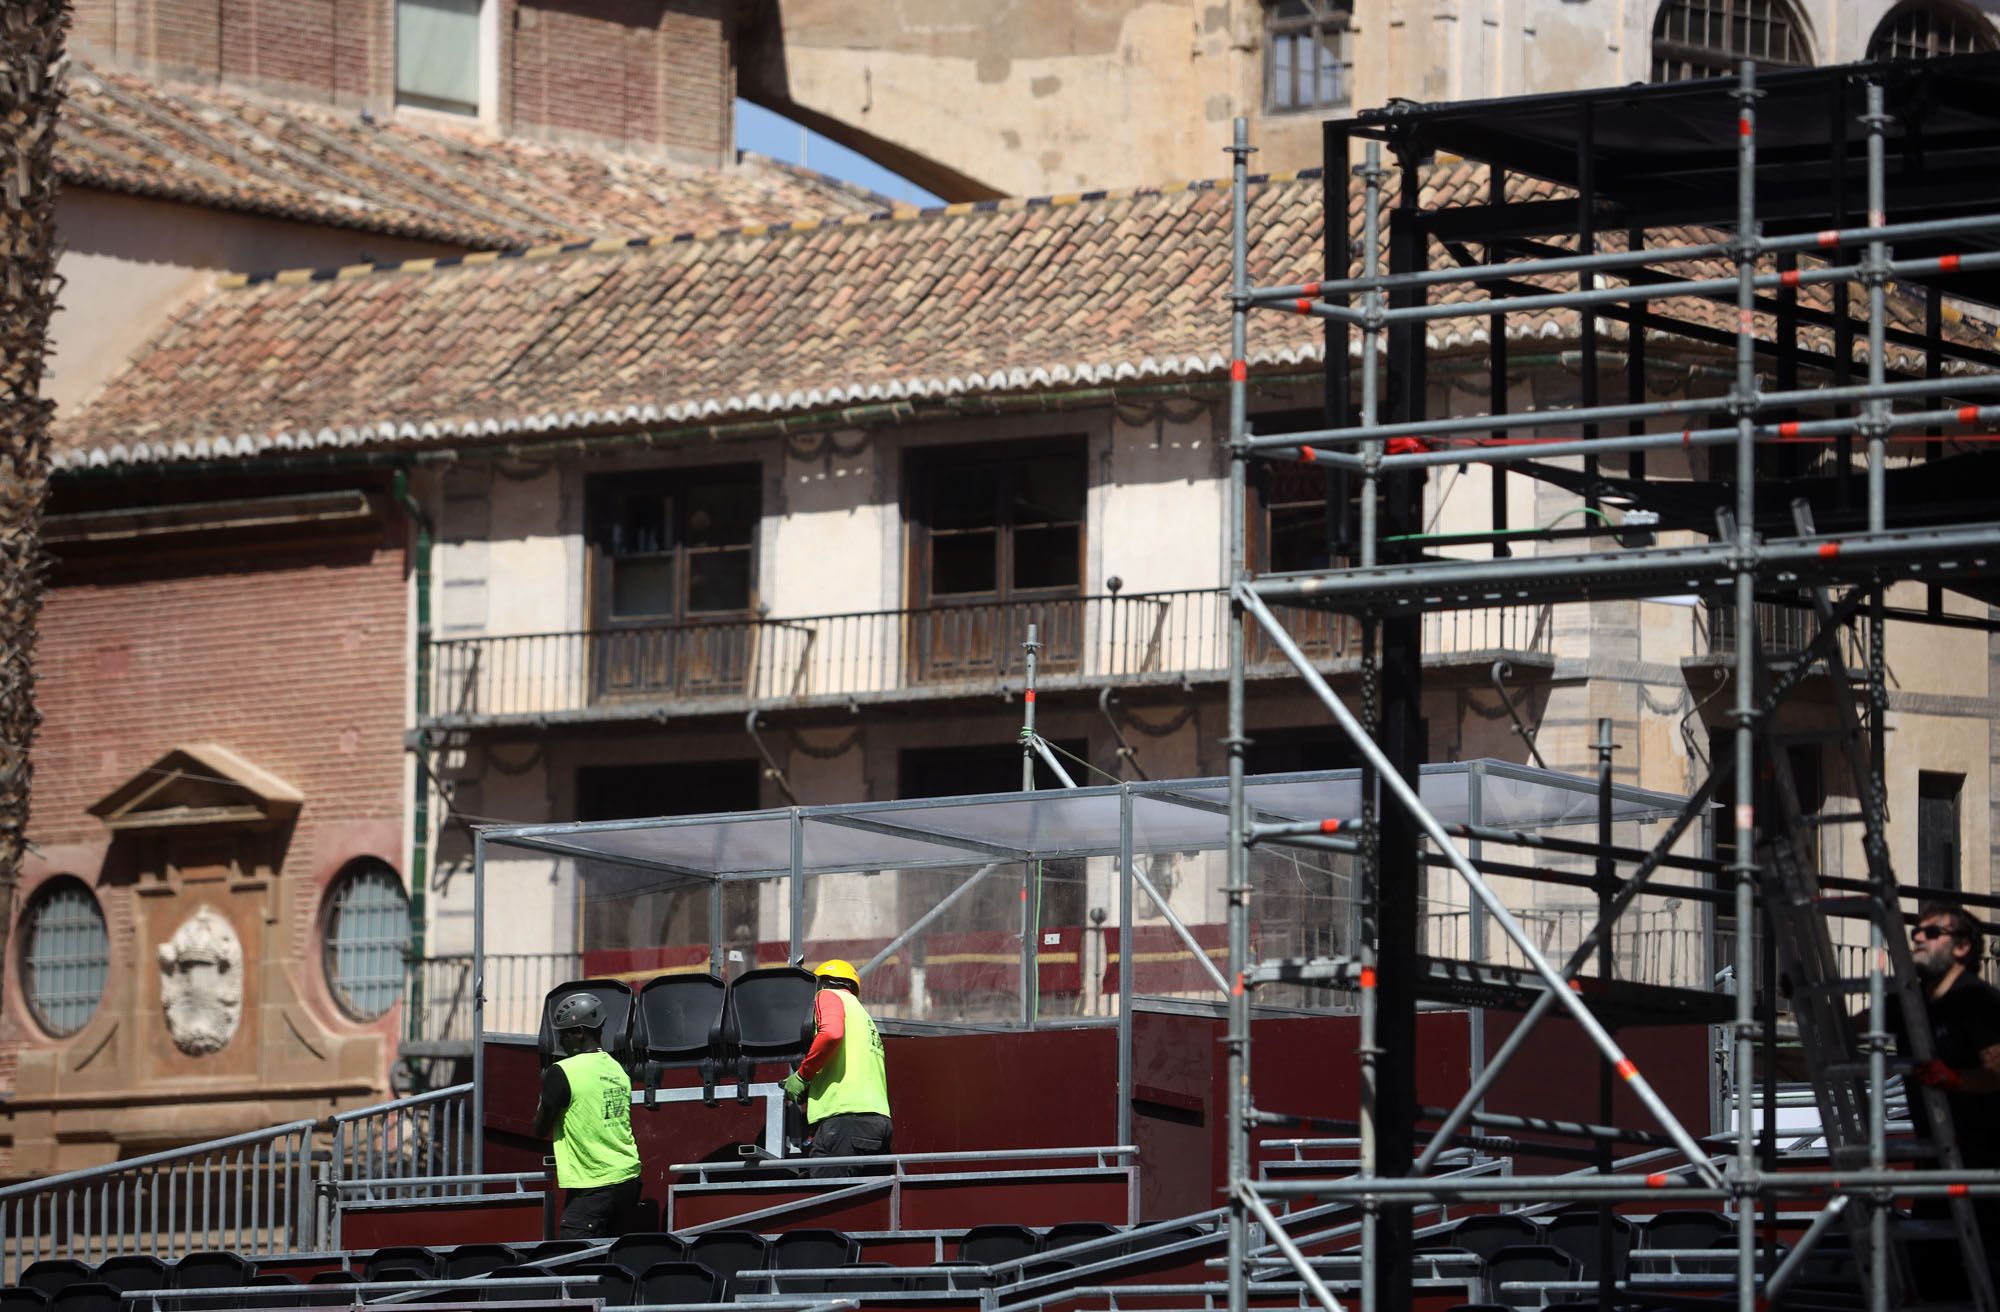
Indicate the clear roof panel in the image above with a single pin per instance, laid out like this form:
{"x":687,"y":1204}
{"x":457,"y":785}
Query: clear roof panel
{"x":1171,"y":815}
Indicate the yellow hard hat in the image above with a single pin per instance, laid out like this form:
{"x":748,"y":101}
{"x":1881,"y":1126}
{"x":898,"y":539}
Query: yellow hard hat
{"x":840,"y":970}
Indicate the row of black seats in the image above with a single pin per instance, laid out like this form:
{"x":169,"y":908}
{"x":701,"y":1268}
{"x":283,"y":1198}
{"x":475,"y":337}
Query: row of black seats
{"x":647,"y":1268}
{"x":681,"y":1021}
{"x":1575,"y":1234}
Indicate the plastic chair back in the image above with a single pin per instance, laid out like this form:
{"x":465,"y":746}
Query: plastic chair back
{"x":615,"y":994}
{"x":1688,"y":1229}
{"x":468,"y":1260}
{"x":641,"y":1253}
{"x":1576,"y":1234}
{"x":678,"y":1282}
{"x":133,"y":1272}
{"x":987,"y":1244}
{"x":679,"y":1022}
{"x":767,"y":1016}
{"x":1487,"y":1235}
{"x":52,"y":1275}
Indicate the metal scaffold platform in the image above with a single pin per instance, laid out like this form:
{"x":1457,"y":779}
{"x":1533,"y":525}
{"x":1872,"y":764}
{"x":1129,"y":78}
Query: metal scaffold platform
{"x":1766,"y":200}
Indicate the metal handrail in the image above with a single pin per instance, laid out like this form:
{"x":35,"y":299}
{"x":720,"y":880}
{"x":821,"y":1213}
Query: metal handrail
{"x":900,"y":1159}
{"x":161,"y":1158}
{"x":413,"y":1100}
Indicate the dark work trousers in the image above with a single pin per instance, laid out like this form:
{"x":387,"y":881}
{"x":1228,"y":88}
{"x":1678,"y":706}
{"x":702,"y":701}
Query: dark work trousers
{"x":598,"y":1213}
{"x":858,"y":1134}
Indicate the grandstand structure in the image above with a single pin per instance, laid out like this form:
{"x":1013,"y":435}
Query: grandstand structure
{"x":1181,"y":1137}
{"x":1835,"y":538}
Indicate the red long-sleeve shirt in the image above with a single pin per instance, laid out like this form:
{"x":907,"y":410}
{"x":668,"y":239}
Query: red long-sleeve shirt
{"x":830,"y":1018}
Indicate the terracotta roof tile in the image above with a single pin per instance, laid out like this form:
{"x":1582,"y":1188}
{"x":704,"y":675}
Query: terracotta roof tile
{"x":230,"y":150}
{"x":985,"y":299}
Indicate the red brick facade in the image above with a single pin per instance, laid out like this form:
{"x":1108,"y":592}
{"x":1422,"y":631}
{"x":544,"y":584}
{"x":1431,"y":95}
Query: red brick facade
{"x":650,"y":75}
{"x":298,"y":667}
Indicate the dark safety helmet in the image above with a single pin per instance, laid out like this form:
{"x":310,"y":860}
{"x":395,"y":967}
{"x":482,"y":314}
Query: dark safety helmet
{"x":578,"y":1011}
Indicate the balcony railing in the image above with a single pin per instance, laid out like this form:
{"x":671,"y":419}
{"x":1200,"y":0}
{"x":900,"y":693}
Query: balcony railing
{"x":875,"y":655}
{"x":1783,"y":629}
{"x":516,"y":983}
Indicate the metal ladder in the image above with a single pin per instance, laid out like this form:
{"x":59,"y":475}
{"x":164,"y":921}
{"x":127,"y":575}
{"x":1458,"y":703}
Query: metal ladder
{"x":1798,"y":912}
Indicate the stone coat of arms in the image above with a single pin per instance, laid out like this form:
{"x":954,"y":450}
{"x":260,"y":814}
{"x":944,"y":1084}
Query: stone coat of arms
{"x":201,"y":983}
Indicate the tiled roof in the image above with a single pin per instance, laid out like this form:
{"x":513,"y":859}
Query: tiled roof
{"x":233,"y":151}
{"x":984,"y":299}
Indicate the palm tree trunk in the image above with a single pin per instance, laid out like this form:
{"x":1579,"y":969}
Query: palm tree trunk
{"x":31,"y":41}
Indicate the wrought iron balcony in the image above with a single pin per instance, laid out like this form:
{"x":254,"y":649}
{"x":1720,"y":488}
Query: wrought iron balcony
{"x":718,"y":666}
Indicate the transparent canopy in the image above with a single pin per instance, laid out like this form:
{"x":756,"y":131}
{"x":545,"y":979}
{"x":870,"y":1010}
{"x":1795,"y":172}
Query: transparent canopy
{"x":1186,"y":815}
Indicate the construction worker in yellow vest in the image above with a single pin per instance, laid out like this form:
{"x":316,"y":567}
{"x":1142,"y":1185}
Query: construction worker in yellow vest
{"x":586,"y":1106}
{"x":843,"y":1081}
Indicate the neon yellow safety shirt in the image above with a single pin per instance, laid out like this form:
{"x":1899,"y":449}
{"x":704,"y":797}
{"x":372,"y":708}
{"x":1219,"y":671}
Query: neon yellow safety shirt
{"x":594,"y":1145}
{"x":856,"y":1080}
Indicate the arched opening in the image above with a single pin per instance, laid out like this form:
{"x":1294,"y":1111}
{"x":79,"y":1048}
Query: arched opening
{"x":1709,"y":38}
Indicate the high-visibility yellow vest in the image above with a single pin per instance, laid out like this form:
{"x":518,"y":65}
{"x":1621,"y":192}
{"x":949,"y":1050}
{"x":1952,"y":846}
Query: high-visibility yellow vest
{"x":595,"y":1145}
{"x":857,"y":1079}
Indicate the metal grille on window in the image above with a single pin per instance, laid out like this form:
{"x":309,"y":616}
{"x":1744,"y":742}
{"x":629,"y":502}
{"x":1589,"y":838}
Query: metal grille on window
{"x":67,"y":958}
{"x":1708,"y":38}
{"x":367,"y":940}
{"x":1308,"y":55}
{"x":1925,"y":31}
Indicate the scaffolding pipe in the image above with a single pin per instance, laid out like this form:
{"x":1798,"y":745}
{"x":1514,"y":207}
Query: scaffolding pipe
{"x":1238,"y":1037}
{"x":1477,"y":885}
{"x":1965,"y":384}
{"x":1283,"y":1243}
{"x":1511,"y":450}
{"x":1605,"y":260}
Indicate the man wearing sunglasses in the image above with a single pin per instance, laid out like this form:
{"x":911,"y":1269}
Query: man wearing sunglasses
{"x":1964,"y":1012}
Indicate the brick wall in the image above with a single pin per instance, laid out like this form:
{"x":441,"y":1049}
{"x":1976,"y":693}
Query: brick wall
{"x":641,"y":74}
{"x":638,"y":73}
{"x":297,"y":667}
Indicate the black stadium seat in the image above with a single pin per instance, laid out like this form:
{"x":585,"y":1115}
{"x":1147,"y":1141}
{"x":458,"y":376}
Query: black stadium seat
{"x":16,"y":1298}
{"x":1688,"y":1229}
{"x":678,"y":1282}
{"x":1487,"y":1235}
{"x":87,"y":1296}
{"x":767,"y":1016}
{"x":641,"y":1253}
{"x":526,"y":1283}
{"x":679,"y":1024}
{"x":403,"y":1258}
{"x":212,"y":1270}
{"x":1576,"y":1234}
{"x":1528,"y":1262}
{"x":805,"y":1250}
{"x":615,"y":1285}
{"x":1079,"y":1232}
{"x":615,"y":994}
{"x":134,"y":1271}
{"x":726,"y":1252}
{"x":469,"y":1260}
{"x":551,"y":1248}
{"x":987,"y":1244}
{"x":331,"y":1297}
{"x":52,"y":1275}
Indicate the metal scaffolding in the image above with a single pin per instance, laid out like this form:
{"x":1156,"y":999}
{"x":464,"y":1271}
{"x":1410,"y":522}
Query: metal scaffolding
{"x":1762,"y":543}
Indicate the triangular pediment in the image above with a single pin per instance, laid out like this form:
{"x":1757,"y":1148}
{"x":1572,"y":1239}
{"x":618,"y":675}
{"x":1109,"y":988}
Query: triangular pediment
{"x":200,"y":784}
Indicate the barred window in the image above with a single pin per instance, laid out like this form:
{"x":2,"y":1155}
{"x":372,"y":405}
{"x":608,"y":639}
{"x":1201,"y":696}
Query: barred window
{"x":1308,"y":55}
{"x":1927,"y":29}
{"x":367,"y":939}
{"x":1709,"y":38}
{"x":66,"y":955}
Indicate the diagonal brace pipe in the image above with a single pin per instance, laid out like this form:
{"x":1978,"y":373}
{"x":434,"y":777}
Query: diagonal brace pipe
{"x":944,"y":904}
{"x":1483,"y":1083}
{"x":1284,"y":1244}
{"x":1558,"y":987}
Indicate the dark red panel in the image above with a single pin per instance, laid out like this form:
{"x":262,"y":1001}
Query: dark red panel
{"x":501,"y":1220}
{"x":972,"y":1092}
{"x":863,"y":1213}
{"x":1038,"y":1201}
{"x":1555,"y":1075}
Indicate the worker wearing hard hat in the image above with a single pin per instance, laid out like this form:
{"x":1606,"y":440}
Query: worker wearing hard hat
{"x":586,"y":1107}
{"x":843,"y":1081}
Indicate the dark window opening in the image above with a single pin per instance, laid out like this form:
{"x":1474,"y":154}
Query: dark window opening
{"x":1937,"y":830}
{"x":996,"y":527}
{"x":674,"y":545}
{"x":1708,"y":38}
{"x":1927,"y":29}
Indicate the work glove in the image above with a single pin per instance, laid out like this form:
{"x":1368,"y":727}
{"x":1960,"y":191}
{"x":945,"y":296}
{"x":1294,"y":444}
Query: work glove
{"x":1938,"y":1076}
{"x":795,"y":1087}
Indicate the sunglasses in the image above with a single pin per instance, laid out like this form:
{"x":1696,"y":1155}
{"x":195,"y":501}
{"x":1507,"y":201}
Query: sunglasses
{"x":1930,"y":932}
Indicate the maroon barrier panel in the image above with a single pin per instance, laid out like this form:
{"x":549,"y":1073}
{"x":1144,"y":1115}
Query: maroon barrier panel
{"x":1058,"y":1089}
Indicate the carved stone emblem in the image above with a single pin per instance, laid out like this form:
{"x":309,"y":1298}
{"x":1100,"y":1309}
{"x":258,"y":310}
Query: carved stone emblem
{"x":201,"y":983}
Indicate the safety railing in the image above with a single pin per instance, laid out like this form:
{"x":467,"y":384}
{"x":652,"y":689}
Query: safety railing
{"x":516,"y":983}
{"x":249,"y":1193}
{"x":1648,"y":947}
{"x":768,"y":661}
{"x":1782,"y":628}
{"x":421,"y":1137}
